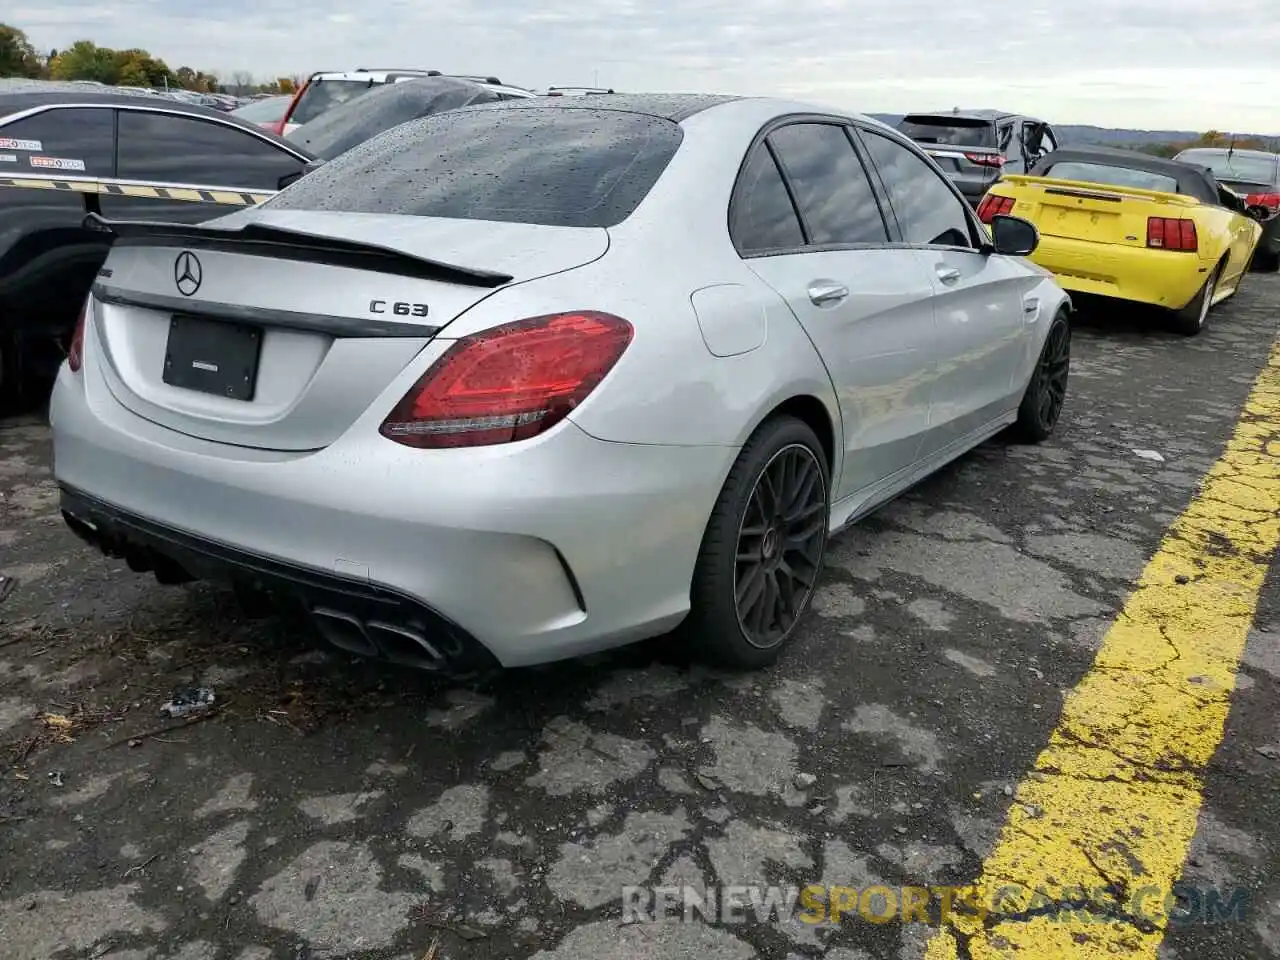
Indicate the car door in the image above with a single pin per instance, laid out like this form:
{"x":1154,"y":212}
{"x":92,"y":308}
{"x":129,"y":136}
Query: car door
{"x":191,"y":156}
{"x":48,"y":163}
{"x":983,"y":320}
{"x":864,"y":305}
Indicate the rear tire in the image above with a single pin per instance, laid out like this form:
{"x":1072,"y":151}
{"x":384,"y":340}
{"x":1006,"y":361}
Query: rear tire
{"x":1190,"y":320}
{"x":758,"y":566}
{"x":1046,"y":392}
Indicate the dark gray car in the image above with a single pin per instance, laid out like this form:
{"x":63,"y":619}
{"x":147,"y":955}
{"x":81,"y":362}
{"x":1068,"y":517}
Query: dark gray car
{"x":1254,"y":175}
{"x":974,"y":147}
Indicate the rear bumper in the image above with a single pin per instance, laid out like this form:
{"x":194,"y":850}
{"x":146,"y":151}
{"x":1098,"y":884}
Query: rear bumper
{"x":1156,"y":277}
{"x":354,"y":615}
{"x":559,"y":546}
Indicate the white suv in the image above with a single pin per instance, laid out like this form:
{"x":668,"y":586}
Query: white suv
{"x":326,"y":89}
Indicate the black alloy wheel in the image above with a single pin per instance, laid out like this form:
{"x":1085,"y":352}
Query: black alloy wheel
{"x":780,"y":545}
{"x":762,"y":549}
{"x":1047,"y":392}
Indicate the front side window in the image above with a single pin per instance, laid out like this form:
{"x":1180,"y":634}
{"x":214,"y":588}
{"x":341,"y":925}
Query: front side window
{"x":831,"y":187}
{"x":927,"y":209}
{"x":762,"y":217}
{"x":169,"y":148}
{"x":542,"y":165}
{"x":76,"y":141}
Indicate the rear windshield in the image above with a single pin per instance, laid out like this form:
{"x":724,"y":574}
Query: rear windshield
{"x":322,"y":95}
{"x":546,"y":165}
{"x":1243,"y":167}
{"x":952,"y":131}
{"x":1112,"y":176}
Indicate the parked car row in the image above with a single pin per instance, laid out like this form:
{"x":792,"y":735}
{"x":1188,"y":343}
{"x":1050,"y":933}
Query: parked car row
{"x":1176,"y":234}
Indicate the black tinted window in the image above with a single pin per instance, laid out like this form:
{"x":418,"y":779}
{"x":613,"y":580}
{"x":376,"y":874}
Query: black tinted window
{"x":953,"y":131}
{"x":175,"y":149}
{"x":762,"y":217}
{"x":78,"y":142}
{"x":831,"y":187}
{"x":926,"y":208}
{"x":547,"y":165}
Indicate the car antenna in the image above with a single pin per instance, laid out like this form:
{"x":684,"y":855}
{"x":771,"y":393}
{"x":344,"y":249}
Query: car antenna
{"x":1231,"y":148}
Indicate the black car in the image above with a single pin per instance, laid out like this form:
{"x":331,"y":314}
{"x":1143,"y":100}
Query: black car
{"x":1254,"y":175}
{"x":70,"y":150}
{"x":351,"y":123}
{"x":975,"y":147}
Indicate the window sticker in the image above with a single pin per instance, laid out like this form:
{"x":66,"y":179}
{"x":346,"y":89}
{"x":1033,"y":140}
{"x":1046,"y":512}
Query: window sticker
{"x":57,"y":163}
{"x":8,"y":143}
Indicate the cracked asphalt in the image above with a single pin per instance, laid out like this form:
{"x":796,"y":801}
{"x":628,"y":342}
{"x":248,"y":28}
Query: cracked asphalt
{"x":329,"y":807}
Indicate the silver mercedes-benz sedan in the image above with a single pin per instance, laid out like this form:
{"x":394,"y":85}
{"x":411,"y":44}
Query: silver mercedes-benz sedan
{"x":529,"y":380}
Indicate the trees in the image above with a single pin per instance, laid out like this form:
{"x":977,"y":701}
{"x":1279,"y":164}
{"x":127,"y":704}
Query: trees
{"x":18,"y":58}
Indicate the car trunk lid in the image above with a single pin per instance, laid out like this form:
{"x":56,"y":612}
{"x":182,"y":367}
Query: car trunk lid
{"x":1100,"y":213}
{"x":279,"y":330}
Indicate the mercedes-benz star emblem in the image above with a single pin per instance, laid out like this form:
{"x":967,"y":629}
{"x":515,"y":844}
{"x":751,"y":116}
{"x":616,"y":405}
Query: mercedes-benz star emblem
{"x":187,"y":273}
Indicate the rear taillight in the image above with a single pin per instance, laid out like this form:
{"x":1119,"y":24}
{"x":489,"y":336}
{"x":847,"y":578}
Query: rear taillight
{"x":1269,"y":200}
{"x":75,"y":352}
{"x":986,"y":159}
{"x":509,"y":383}
{"x":992,"y":206}
{"x":1168,"y":233}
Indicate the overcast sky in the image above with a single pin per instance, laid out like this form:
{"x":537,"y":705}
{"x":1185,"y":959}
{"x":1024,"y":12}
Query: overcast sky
{"x":1168,"y":64}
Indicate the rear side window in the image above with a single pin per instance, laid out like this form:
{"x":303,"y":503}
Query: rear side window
{"x":323,"y":95}
{"x":168,"y":148}
{"x":831,"y":187}
{"x":951,"y":131}
{"x":1112,"y":176}
{"x":762,"y":217}
{"x":78,"y":142}
{"x":545,"y":165}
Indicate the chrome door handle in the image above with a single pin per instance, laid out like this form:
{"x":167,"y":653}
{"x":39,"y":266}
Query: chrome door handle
{"x":823,"y":292}
{"x":947,"y":274}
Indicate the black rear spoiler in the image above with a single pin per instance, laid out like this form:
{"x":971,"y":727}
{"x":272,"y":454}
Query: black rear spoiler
{"x":281,"y":243}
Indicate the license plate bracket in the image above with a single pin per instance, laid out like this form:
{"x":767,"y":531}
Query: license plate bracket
{"x":212,"y":356}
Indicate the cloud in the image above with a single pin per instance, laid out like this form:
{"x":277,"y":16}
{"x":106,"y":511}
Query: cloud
{"x":1147,"y":63}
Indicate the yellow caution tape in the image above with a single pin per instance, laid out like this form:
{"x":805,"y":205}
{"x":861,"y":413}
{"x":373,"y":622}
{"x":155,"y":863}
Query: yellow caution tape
{"x":111,"y":188}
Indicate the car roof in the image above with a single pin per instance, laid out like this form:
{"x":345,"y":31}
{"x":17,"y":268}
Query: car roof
{"x":390,"y":74}
{"x":664,"y":106}
{"x":16,"y":102}
{"x":1236,"y":151}
{"x":990,"y":115}
{"x":1192,"y":180}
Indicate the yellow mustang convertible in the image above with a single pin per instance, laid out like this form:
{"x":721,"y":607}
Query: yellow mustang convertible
{"x":1134,"y":227}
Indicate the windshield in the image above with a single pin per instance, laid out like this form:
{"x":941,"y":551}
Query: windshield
{"x":952,"y":131}
{"x":1238,"y":166}
{"x":1112,"y":176}
{"x":267,"y":110}
{"x":546,"y":165}
{"x":322,"y":95}
{"x":351,"y":124}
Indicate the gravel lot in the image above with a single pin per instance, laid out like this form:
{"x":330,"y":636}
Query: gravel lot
{"x":331,"y":807}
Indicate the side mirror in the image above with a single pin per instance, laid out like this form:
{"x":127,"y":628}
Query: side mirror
{"x":1013,"y":236}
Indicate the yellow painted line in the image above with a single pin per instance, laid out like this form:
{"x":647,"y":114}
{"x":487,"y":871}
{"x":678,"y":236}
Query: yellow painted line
{"x":1104,"y":820}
